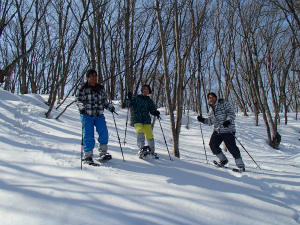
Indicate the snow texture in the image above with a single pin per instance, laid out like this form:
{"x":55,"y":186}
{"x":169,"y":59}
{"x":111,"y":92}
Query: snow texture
{"x":42,"y":181}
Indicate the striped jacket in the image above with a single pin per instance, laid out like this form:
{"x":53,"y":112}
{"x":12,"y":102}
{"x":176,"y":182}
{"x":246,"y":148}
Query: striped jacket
{"x":142,"y":106}
{"x":218,"y":114}
{"x":93,"y":102}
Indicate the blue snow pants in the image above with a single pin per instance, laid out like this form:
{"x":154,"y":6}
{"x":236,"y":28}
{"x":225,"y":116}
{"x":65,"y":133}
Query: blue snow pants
{"x":88,"y":131}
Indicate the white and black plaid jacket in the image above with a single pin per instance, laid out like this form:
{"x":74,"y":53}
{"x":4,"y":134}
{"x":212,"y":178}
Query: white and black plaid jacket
{"x":94,"y":102}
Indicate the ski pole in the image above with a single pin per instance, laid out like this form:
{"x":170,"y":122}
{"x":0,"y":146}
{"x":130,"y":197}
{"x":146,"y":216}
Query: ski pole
{"x":126,"y":126}
{"x":245,"y":150}
{"x":118,"y":134}
{"x":164,"y":137}
{"x":82,"y":118}
{"x":203,"y":143}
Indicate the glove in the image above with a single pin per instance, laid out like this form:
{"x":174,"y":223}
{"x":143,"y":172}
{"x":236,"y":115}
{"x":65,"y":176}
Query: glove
{"x":129,"y":95}
{"x":112,"y":109}
{"x":200,"y":119}
{"x":82,"y":111}
{"x":226,"y":123}
{"x":157,"y":113}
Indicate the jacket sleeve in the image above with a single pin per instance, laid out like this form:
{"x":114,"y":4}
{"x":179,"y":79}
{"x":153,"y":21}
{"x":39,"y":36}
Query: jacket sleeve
{"x":208,"y":120}
{"x":131,"y":103}
{"x":79,"y":99}
{"x":230,"y":115}
{"x":128,"y":103}
{"x":152,"y":107}
{"x":107,"y":105}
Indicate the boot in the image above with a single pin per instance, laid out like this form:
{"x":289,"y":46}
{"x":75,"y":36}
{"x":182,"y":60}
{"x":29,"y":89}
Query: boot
{"x":144,"y":152}
{"x":240,"y":164}
{"x":88,"y":157}
{"x":223,"y":160}
{"x":102,"y":149}
{"x":151,"y":145}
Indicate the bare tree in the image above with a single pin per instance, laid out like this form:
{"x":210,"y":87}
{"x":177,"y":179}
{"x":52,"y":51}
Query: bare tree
{"x":291,"y":10}
{"x":251,"y":29}
{"x":64,"y":58}
{"x":27,"y":21}
{"x":183,"y":45}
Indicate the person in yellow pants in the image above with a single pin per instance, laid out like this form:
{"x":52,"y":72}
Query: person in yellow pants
{"x":142,"y":106}
{"x":144,"y":131}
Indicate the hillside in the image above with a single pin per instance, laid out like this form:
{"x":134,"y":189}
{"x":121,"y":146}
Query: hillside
{"x":42,"y":183}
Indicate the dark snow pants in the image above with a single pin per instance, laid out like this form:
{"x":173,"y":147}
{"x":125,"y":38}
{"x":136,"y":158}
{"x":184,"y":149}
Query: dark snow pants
{"x":217,"y":138}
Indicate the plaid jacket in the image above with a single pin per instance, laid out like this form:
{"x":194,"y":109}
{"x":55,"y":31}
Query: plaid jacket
{"x":142,"y":106}
{"x":93,"y":102}
{"x":218,"y":114}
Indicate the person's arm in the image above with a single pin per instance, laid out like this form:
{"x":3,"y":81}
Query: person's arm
{"x":107,"y":105}
{"x":152,"y":107}
{"x":130,"y":100}
{"x":229,"y":112}
{"x":80,"y":100}
{"x":208,"y":120}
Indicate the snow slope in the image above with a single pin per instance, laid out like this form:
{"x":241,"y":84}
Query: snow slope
{"x":41,"y":180}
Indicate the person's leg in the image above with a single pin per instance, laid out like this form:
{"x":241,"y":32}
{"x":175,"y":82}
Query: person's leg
{"x":88,"y":136}
{"x":239,"y":163}
{"x":230,"y":142}
{"x":214,"y":144}
{"x":140,"y":136}
{"x":149,"y":136}
{"x":102,"y":131}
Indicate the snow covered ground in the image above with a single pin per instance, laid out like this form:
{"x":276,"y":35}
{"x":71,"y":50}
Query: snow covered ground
{"x":41,"y":181}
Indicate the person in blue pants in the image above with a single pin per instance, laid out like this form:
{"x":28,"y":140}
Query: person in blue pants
{"x":91,"y":101}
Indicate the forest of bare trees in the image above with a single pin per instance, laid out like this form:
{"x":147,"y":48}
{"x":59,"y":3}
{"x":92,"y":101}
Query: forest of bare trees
{"x":246,"y":51}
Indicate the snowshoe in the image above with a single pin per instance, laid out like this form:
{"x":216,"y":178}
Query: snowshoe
{"x":154,"y":155}
{"x":88,"y":160}
{"x":239,"y":169}
{"x":146,"y":150}
{"x":103,"y":158}
{"x":221,"y":163}
{"x":143,"y":152}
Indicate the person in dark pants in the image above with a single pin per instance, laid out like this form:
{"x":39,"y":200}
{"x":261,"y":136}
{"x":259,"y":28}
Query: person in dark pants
{"x":222,"y":116}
